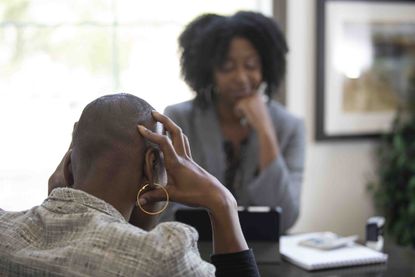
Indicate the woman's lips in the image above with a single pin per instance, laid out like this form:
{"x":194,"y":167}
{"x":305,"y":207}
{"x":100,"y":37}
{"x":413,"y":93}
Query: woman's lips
{"x":242,"y":93}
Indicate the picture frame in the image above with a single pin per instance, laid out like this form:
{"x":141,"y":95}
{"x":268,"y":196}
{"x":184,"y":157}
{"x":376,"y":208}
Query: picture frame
{"x":365,"y":59}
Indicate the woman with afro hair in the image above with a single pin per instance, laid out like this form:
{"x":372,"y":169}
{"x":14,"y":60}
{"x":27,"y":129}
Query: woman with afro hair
{"x":237,"y":132}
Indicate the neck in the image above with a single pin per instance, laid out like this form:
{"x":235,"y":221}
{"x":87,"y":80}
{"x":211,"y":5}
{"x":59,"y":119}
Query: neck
{"x":116,"y":198}
{"x":227,"y":115}
{"x":231,"y":126}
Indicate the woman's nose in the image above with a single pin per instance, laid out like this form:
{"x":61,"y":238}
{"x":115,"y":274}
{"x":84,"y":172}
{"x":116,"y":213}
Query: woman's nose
{"x":242,"y":76}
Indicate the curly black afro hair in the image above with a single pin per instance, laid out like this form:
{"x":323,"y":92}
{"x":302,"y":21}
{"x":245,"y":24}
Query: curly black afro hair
{"x":204,"y":45}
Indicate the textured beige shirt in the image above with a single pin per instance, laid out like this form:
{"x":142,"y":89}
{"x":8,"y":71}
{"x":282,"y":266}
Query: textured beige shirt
{"x":76,"y":234}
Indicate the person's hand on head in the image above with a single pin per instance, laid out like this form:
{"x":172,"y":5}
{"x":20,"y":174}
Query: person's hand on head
{"x":187,"y":183}
{"x":57,"y":179}
{"x":191,"y":185}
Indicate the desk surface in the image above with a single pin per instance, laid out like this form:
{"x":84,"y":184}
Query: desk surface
{"x":401,"y":262}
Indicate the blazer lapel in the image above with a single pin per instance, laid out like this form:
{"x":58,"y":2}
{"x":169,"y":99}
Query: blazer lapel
{"x":210,"y":142}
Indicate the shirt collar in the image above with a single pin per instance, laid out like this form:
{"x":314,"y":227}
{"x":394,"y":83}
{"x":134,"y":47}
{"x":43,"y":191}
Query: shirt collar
{"x":82,"y":198}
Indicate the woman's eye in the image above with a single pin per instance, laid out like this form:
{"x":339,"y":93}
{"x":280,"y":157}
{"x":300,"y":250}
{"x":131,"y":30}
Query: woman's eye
{"x":227,"y":66}
{"x":252,"y":64}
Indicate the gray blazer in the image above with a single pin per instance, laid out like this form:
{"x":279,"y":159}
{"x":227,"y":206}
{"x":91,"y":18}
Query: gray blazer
{"x":277,"y":185}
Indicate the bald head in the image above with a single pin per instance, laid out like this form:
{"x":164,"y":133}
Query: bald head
{"x":106,"y":135}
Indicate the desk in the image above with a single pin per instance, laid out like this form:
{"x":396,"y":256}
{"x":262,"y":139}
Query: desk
{"x":401,"y":262}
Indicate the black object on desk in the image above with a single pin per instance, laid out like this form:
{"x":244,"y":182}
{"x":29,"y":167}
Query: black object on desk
{"x":260,"y":226}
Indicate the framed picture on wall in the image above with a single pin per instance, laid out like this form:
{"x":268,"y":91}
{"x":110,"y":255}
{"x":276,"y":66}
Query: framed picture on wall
{"x":365,"y":61}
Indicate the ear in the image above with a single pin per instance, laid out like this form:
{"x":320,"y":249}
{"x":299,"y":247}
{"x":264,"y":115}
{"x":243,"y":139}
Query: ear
{"x":67,"y":169}
{"x":150,"y":166}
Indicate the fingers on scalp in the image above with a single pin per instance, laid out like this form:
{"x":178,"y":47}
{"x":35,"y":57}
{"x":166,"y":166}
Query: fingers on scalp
{"x":187,"y":146}
{"x":142,"y":130}
{"x":158,"y":116}
{"x":162,"y":140}
{"x":177,"y":132}
{"x":150,"y":135}
{"x":167,"y":122}
{"x":168,"y":149}
{"x":179,"y":141}
{"x":174,"y":130}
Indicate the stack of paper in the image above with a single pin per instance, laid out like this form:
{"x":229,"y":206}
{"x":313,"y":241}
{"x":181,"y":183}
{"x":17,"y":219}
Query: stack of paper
{"x":314,"y":259}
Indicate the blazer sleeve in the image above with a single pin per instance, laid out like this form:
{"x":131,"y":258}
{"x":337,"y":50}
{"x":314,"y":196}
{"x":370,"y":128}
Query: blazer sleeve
{"x":280,"y":183}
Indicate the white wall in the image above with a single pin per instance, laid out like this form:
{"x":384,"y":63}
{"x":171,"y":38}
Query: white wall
{"x":334,"y":196}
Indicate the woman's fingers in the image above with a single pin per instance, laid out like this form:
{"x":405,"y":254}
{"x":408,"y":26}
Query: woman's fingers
{"x":174,"y":130}
{"x":161,"y":140}
{"x":187,"y":147}
{"x":152,"y":196}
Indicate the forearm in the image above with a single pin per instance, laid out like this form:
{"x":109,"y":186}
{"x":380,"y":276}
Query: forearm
{"x":231,"y":255}
{"x":227,"y":234}
{"x":268,"y":147}
{"x":277,"y":186}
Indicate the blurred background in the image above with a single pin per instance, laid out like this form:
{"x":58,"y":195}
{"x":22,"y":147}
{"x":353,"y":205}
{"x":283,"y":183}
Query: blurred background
{"x":56,"y":56}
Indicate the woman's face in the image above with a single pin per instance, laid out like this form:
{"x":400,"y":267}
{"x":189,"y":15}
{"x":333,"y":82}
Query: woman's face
{"x":240,"y":74}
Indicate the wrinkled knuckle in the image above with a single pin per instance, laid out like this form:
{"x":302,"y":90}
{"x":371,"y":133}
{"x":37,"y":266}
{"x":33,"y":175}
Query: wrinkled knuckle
{"x":164,"y":140}
{"x":176,"y":163}
{"x":178,"y":130}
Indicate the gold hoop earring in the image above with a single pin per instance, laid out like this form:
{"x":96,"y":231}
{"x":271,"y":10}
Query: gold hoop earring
{"x":152,"y":213}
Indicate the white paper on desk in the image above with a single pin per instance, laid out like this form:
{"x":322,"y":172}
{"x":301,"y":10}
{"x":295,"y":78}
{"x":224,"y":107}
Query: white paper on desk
{"x":314,"y":259}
